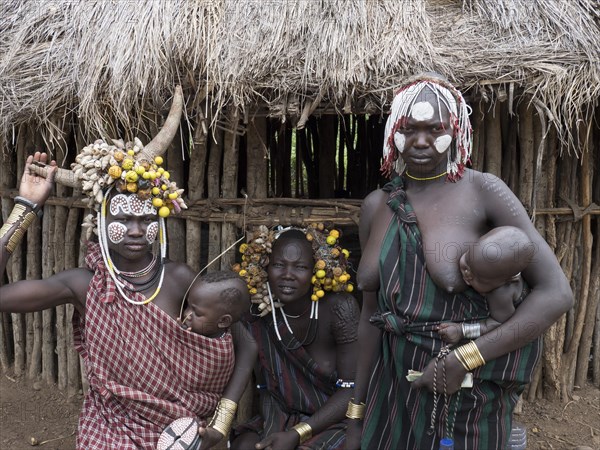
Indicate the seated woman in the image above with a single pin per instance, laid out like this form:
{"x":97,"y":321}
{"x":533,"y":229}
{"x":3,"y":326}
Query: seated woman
{"x":305,"y":324}
{"x":413,"y":232}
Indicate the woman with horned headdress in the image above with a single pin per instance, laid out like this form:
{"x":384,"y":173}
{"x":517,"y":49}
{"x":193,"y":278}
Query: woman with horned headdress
{"x":144,"y":369}
{"x":413,"y":231}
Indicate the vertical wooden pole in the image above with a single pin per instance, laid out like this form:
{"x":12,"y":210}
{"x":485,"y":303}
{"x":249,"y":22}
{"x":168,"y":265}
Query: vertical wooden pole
{"x":197,"y":178}
{"x":568,"y":237}
{"x":479,"y":136}
{"x":510,"y":173}
{"x":176,"y":226}
{"x":17,"y":263}
{"x":587,"y":306}
{"x":526,"y":167}
{"x":229,"y":183}
{"x":214,"y":185}
{"x":48,"y":345}
{"x":72,"y":252}
{"x":256,"y":173}
{"x":7,"y":181}
{"x":493,"y":141}
{"x":554,"y":336}
{"x":284,"y":155}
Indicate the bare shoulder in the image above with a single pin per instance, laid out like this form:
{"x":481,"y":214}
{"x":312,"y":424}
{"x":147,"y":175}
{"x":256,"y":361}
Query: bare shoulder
{"x":370,"y":209}
{"x":501,"y":204}
{"x":180,"y":272}
{"x":344,"y":317}
{"x":342,"y":302}
{"x":373,"y":201}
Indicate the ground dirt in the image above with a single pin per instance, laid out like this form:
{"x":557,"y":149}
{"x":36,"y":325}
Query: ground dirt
{"x":37,"y":411}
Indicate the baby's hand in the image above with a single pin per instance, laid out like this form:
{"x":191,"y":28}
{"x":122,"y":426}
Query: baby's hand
{"x":182,"y":324}
{"x":450,"y":332}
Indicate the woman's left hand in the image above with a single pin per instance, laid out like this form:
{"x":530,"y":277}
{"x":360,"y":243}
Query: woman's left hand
{"x":455,"y":373}
{"x":284,"y":440}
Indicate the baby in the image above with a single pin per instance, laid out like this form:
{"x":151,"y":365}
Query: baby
{"x":493,"y":268}
{"x":215,"y":302}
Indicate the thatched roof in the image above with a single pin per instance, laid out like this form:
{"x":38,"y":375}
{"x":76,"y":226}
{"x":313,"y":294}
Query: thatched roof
{"x":109,"y":61}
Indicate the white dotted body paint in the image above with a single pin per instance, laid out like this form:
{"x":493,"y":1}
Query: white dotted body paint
{"x":152,"y":232}
{"x":442,"y":143}
{"x":400,"y":141}
{"x":116,"y":232}
{"x":422,"y":111}
{"x":132,"y":205}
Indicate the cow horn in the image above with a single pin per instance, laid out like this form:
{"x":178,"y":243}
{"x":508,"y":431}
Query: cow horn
{"x":161,"y":141}
{"x":65,"y":177}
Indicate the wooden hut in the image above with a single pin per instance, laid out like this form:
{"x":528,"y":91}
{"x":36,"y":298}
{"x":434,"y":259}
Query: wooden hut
{"x":286,"y":102}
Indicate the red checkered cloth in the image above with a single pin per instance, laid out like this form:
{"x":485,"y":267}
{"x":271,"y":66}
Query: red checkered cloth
{"x":144,"y":370}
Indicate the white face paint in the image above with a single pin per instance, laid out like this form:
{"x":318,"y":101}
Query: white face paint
{"x":442,"y":143}
{"x":152,"y":232}
{"x":116,"y":232}
{"x":422,"y":111}
{"x":399,"y":141}
{"x":131,"y":205}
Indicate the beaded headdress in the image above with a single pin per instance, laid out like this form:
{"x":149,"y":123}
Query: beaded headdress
{"x":127,"y":168}
{"x":329,"y":272}
{"x":447,"y":95}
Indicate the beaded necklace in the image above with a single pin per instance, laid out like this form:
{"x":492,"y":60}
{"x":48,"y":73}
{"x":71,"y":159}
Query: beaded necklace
{"x":314,"y":316}
{"x":145,"y":271}
{"x":425,"y":178}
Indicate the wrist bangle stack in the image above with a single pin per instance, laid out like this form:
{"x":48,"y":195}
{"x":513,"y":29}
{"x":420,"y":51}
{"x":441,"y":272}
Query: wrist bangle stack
{"x":304,"y":430}
{"x":18,"y":215}
{"x":469,"y":356}
{"x":355,"y":411}
{"x":28,"y":203}
{"x":223,"y":417}
{"x":471,"y":330}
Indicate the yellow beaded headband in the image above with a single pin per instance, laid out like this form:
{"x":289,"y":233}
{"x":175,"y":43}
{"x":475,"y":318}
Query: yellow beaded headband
{"x":329,"y":272}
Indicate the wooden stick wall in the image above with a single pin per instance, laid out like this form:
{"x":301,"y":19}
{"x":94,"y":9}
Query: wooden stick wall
{"x":334,"y":156}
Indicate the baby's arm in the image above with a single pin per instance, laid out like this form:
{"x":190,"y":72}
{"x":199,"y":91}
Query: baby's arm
{"x":501,"y":301}
{"x":501,"y":307}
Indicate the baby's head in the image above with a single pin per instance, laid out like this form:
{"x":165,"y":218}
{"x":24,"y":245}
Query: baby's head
{"x":216,"y":301}
{"x":496,"y":258}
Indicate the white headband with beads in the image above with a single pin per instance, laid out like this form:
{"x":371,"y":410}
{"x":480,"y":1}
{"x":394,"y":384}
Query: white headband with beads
{"x":459,"y":121}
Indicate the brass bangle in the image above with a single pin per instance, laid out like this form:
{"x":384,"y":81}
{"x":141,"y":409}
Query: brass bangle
{"x":470,"y":356}
{"x":304,"y":430}
{"x":355,"y":411}
{"x":223,"y":416}
{"x":461,"y":360}
{"x":18,"y":215}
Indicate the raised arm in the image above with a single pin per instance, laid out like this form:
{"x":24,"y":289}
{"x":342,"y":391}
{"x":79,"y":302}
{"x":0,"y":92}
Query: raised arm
{"x":33,"y":191}
{"x":35,"y":295}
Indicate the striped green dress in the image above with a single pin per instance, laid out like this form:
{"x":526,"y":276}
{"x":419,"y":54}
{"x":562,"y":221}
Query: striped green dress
{"x":410,"y":306}
{"x":294,"y":388}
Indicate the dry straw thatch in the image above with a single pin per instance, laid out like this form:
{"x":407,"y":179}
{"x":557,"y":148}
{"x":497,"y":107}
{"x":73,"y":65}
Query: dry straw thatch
{"x":111,"y":61}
